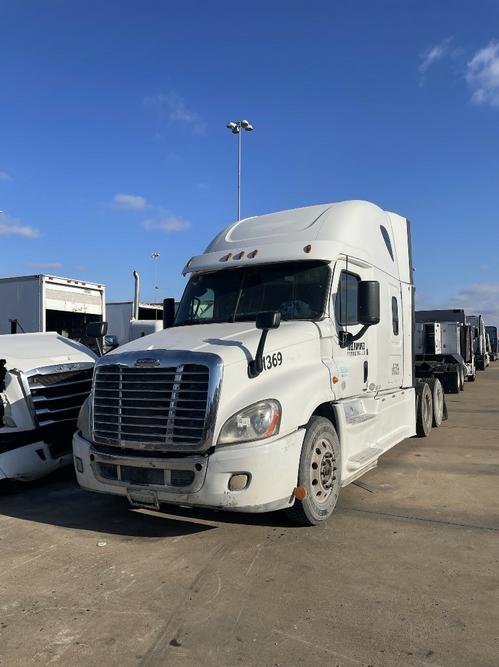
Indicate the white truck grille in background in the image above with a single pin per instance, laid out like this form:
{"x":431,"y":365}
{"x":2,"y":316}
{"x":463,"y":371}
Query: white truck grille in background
{"x":150,"y":407}
{"x":58,"y":397}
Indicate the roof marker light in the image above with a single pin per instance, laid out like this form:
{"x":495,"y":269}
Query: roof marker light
{"x":239,"y":255}
{"x":307,"y":248}
{"x":252,"y":254}
{"x":226,"y":257}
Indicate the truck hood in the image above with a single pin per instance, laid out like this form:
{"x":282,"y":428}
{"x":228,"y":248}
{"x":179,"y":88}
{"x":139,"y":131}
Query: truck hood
{"x":233,"y":342}
{"x":32,"y":350}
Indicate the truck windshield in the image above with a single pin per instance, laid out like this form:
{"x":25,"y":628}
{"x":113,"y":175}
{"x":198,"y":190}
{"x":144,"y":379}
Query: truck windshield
{"x":297,"y":289}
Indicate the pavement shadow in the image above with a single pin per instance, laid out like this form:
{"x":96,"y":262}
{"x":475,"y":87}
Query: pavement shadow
{"x":58,"y":500}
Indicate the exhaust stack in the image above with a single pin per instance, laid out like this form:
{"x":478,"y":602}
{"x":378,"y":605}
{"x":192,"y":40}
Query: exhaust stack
{"x":136,"y":296}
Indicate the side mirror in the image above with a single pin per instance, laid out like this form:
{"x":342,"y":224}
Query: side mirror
{"x":368,"y":307}
{"x":168,"y":313}
{"x":96,"y":329}
{"x":268,"y":320}
{"x":265,"y":322}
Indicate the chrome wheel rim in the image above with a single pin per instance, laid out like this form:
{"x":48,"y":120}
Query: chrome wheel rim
{"x":323,"y":469}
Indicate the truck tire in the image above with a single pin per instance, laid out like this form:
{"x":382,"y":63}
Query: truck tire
{"x":472,"y":378}
{"x":461,"y":379}
{"x":480,"y":364}
{"x":424,"y":410}
{"x":438,"y":401}
{"x":453,"y":382}
{"x":318,"y":473}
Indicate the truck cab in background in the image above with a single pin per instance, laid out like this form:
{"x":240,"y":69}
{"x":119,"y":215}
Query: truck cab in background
{"x":285,"y":374}
{"x":493,"y":342}
{"x":480,"y":351}
{"x":444,"y":347}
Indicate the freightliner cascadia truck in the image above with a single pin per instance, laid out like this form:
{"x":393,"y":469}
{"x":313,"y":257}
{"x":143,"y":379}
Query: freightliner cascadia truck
{"x":286,"y":373}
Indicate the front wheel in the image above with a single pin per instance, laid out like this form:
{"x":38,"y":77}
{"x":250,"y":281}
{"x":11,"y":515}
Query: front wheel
{"x":318,"y":473}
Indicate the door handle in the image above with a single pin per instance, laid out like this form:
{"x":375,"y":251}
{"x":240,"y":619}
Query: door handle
{"x":366,"y":370}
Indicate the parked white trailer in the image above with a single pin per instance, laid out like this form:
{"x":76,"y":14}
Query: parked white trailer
{"x":45,"y":303}
{"x":44,"y":379}
{"x":287,"y":373}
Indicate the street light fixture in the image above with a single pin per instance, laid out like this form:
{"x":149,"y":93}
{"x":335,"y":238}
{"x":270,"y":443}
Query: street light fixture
{"x":237,"y":127}
{"x":155,"y":256}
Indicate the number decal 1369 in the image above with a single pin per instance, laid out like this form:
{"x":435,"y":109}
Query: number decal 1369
{"x":272,"y":361}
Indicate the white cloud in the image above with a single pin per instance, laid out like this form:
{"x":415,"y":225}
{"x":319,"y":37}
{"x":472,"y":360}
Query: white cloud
{"x":172,"y":108}
{"x":434,"y":54}
{"x":4,"y":176}
{"x":13,"y":227}
{"x":166,"y":224}
{"x":45,"y":265}
{"x":133,"y":202}
{"x":479,"y":299}
{"x":482,"y":75}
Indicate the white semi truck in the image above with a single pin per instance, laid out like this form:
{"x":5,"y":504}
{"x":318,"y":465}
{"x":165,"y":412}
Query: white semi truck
{"x":44,"y":379}
{"x":287,"y":371}
{"x":128,"y":320}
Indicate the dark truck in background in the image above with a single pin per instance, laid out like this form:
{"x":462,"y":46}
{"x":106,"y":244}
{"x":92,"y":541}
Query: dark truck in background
{"x":491,"y":331}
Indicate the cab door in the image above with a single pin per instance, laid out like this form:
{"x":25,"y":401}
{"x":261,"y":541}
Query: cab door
{"x":356,"y":363}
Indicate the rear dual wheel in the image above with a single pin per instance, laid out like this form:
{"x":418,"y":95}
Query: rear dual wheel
{"x":454,"y":382}
{"x":424,"y":409}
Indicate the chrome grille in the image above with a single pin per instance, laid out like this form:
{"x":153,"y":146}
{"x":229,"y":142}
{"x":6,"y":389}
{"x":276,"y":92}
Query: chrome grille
{"x":150,"y":407}
{"x":58,"y":397}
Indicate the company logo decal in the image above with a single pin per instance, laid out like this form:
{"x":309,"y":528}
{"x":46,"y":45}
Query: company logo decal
{"x":357,"y":349}
{"x":147,"y":363}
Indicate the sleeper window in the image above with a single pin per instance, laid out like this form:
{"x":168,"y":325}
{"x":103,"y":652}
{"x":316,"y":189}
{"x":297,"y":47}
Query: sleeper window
{"x":395,"y":316}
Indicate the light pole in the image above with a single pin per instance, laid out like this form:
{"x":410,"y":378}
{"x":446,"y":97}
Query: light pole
{"x":237,"y":127}
{"x":155,"y":256}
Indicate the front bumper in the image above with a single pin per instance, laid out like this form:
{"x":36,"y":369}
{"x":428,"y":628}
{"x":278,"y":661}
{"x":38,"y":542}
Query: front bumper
{"x":272,"y":469}
{"x":25,"y":458}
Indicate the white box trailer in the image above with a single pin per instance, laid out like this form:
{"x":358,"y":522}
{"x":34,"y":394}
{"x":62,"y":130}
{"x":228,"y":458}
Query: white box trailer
{"x":44,"y":303}
{"x":286,"y":374}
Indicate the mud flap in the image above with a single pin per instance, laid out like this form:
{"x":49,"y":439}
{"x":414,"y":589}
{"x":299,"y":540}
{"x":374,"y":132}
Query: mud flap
{"x":445,"y":414}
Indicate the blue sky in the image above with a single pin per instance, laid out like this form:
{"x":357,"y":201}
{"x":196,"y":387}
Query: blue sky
{"x":113,"y":142}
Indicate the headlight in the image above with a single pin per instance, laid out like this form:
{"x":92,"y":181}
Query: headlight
{"x":83,"y":423}
{"x":258,"y":421}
